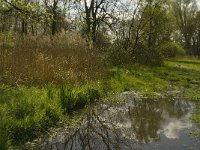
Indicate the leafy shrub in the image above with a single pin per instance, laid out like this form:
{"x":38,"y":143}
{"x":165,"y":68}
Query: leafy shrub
{"x":117,"y":55}
{"x":29,"y":112}
{"x":92,"y":94}
{"x":171,"y":49}
{"x":148,"y":56}
{"x":66,"y":98}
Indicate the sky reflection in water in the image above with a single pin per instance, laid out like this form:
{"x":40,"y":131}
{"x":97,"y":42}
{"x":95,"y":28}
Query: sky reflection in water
{"x":137,"y":123}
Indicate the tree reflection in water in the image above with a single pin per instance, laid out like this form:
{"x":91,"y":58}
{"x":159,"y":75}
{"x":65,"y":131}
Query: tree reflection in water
{"x":122,"y":126}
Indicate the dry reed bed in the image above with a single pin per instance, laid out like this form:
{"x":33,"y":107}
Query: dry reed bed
{"x":64,"y":58}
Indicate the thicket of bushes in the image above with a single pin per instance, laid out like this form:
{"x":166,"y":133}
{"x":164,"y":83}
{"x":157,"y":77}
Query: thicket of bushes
{"x":148,"y":56}
{"x":117,"y":55}
{"x":171,"y":49}
{"x":142,"y":54}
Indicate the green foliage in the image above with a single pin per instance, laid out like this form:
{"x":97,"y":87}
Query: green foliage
{"x":19,"y":111}
{"x":76,"y":98}
{"x":171,"y":49}
{"x":4,"y":141}
{"x":50,"y":118}
{"x":22,"y":131}
{"x":186,"y":10}
{"x":29,"y":112}
{"x":137,"y":78}
{"x":102,"y":40}
{"x":118,"y":55}
{"x":148,"y":56}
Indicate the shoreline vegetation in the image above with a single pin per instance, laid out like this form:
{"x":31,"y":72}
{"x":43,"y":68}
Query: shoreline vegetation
{"x":59,"y":57}
{"x":27,"y":112}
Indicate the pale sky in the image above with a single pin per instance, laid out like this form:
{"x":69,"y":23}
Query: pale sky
{"x":198,"y":3}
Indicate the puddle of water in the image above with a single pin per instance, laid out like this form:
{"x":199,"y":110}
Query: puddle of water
{"x":135,"y":124}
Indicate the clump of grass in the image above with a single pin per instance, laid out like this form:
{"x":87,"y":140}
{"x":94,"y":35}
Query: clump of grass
{"x":4,"y":140}
{"x":76,"y":98}
{"x":27,"y":114}
{"x":30,"y":112}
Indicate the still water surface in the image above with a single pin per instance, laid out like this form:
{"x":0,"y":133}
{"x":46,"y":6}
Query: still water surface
{"x":138,"y":123}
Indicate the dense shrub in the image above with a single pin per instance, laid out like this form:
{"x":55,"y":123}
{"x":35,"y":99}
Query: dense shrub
{"x":50,"y":118}
{"x":148,"y":56}
{"x":118,"y":55}
{"x":171,"y":49}
{"x":19,"y":111}
{"x":142,"y":54}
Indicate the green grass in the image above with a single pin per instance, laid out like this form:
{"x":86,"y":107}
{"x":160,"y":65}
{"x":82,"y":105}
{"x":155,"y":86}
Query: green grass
{"x":183,"y":76}
{"x":138,"y":79}
{"x":28,"y":112}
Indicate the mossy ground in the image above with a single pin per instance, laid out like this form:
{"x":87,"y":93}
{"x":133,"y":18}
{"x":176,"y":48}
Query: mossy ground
{"x":28,"y":112}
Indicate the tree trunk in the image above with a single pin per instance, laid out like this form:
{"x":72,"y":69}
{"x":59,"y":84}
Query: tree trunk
{"x":54,"y":23}
{"x":24,"y":27}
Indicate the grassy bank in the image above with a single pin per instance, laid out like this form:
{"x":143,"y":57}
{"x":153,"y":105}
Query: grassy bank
{"x":28,"y":112}
{"x":181,"y":76}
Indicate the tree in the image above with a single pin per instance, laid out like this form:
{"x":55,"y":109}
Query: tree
{"x":149,"y":26}
{"x":97,"y":13}
{"x":196,"y":36}
{"x":52,"y":8}
{"x":185,"y":12}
